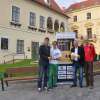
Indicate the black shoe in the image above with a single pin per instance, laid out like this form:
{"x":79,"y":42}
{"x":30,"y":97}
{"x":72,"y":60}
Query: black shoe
{"x":55,"y":86}
{"x":87,"y":85}
{"x":81,"y":86}
{"x":49,"y":89}
{"x":91,"y":87}
{"x":73,"y":86}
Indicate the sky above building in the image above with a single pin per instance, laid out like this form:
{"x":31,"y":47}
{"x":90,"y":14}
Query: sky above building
{"x":67,"y":3}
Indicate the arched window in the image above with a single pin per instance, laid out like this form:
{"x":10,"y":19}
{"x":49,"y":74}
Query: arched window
{"x":49,"y":23}
{"x":56,"y":25}
{"x":62,"y":27}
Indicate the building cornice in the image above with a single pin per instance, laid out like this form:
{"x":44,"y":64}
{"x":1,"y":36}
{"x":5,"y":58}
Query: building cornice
{"x":78,"y":10}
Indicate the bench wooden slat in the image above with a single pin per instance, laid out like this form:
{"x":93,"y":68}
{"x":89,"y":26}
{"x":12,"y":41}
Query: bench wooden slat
{"x":22,"y":70}
{"x":20,"y":78}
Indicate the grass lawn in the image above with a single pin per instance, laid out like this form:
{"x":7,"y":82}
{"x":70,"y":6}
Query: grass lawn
{"x":30,"y":62}
{"x":22,"y":63}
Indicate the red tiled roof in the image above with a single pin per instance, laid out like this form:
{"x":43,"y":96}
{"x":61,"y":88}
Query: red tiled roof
{"x":84,"y":4}
{"x":53,"y":6}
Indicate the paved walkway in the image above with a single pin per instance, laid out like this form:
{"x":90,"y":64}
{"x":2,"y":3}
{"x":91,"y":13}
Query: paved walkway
{"x":28,"y":91}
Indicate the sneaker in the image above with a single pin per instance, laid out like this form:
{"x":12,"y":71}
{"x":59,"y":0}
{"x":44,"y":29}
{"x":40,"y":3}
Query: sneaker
{"x":91,"y":87}
{"x":50,"y":88}
{"x":73,"y":86}
{"x":39,"y":89}
{"x":45,"y":88}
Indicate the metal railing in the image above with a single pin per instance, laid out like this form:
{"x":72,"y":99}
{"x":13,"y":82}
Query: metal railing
{"x":12,"y":56}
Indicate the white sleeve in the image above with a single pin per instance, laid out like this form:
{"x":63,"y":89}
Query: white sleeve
{"x":58,"y":54}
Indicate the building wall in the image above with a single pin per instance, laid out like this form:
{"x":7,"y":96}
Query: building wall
{"x":23,"y":33}
{"x":82,"y":23}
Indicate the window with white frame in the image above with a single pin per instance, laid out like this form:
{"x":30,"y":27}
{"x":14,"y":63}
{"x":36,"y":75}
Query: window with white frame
{"x":89,"y":15}
{"x":20,"y":46}
{"x":75,"y":18}
{"x":4,"y":43}
{"x":89,"y":33}
{"x":32,"y":21}
{"x":42,"y":22}
{"x":15,"y":14}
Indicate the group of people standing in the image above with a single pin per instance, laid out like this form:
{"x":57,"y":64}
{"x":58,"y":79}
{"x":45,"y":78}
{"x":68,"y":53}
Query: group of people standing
{"x":48,"y":63}
{"x":83,"y":63}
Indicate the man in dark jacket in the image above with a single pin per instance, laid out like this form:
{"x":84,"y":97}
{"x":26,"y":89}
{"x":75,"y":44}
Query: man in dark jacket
{"x":78,"y":60}
{"x":44,"y":52}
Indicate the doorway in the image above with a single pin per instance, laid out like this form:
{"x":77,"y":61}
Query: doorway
{"x":35,"y":50}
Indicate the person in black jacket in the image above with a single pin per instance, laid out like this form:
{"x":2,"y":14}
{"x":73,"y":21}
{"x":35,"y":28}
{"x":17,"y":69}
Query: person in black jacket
{"x":44,"y":52}
{"x":77,"y":54}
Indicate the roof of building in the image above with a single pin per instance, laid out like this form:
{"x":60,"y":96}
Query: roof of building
{"x":84,"y":4}
{"x":53,"y":6}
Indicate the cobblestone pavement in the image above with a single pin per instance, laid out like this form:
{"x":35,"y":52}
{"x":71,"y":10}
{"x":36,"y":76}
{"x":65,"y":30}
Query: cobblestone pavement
{"x":28,"y":91}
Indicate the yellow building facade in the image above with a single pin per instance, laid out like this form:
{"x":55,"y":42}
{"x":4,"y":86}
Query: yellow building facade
{"x":85,"y":21}
{"x":24,"y":24}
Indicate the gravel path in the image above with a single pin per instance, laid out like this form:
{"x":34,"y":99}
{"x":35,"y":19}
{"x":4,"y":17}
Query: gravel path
{"x":28,"y":91}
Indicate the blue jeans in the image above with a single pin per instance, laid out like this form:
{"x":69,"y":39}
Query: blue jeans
{"x":77,"y":67}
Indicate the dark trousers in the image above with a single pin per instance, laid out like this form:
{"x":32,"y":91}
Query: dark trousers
{"x":77,"y":67}
{"x":89,"y":73}
{"x":43,"y":75}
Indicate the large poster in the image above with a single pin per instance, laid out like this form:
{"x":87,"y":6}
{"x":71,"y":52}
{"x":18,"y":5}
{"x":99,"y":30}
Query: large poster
{"x":65,"y":72}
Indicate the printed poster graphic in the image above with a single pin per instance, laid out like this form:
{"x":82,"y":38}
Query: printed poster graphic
{"x":62,"y":68}
{"x":70,"y":70}
{"x":65,"y":72}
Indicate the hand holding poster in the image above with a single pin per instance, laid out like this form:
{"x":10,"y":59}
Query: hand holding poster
{"x":73,"y":56}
